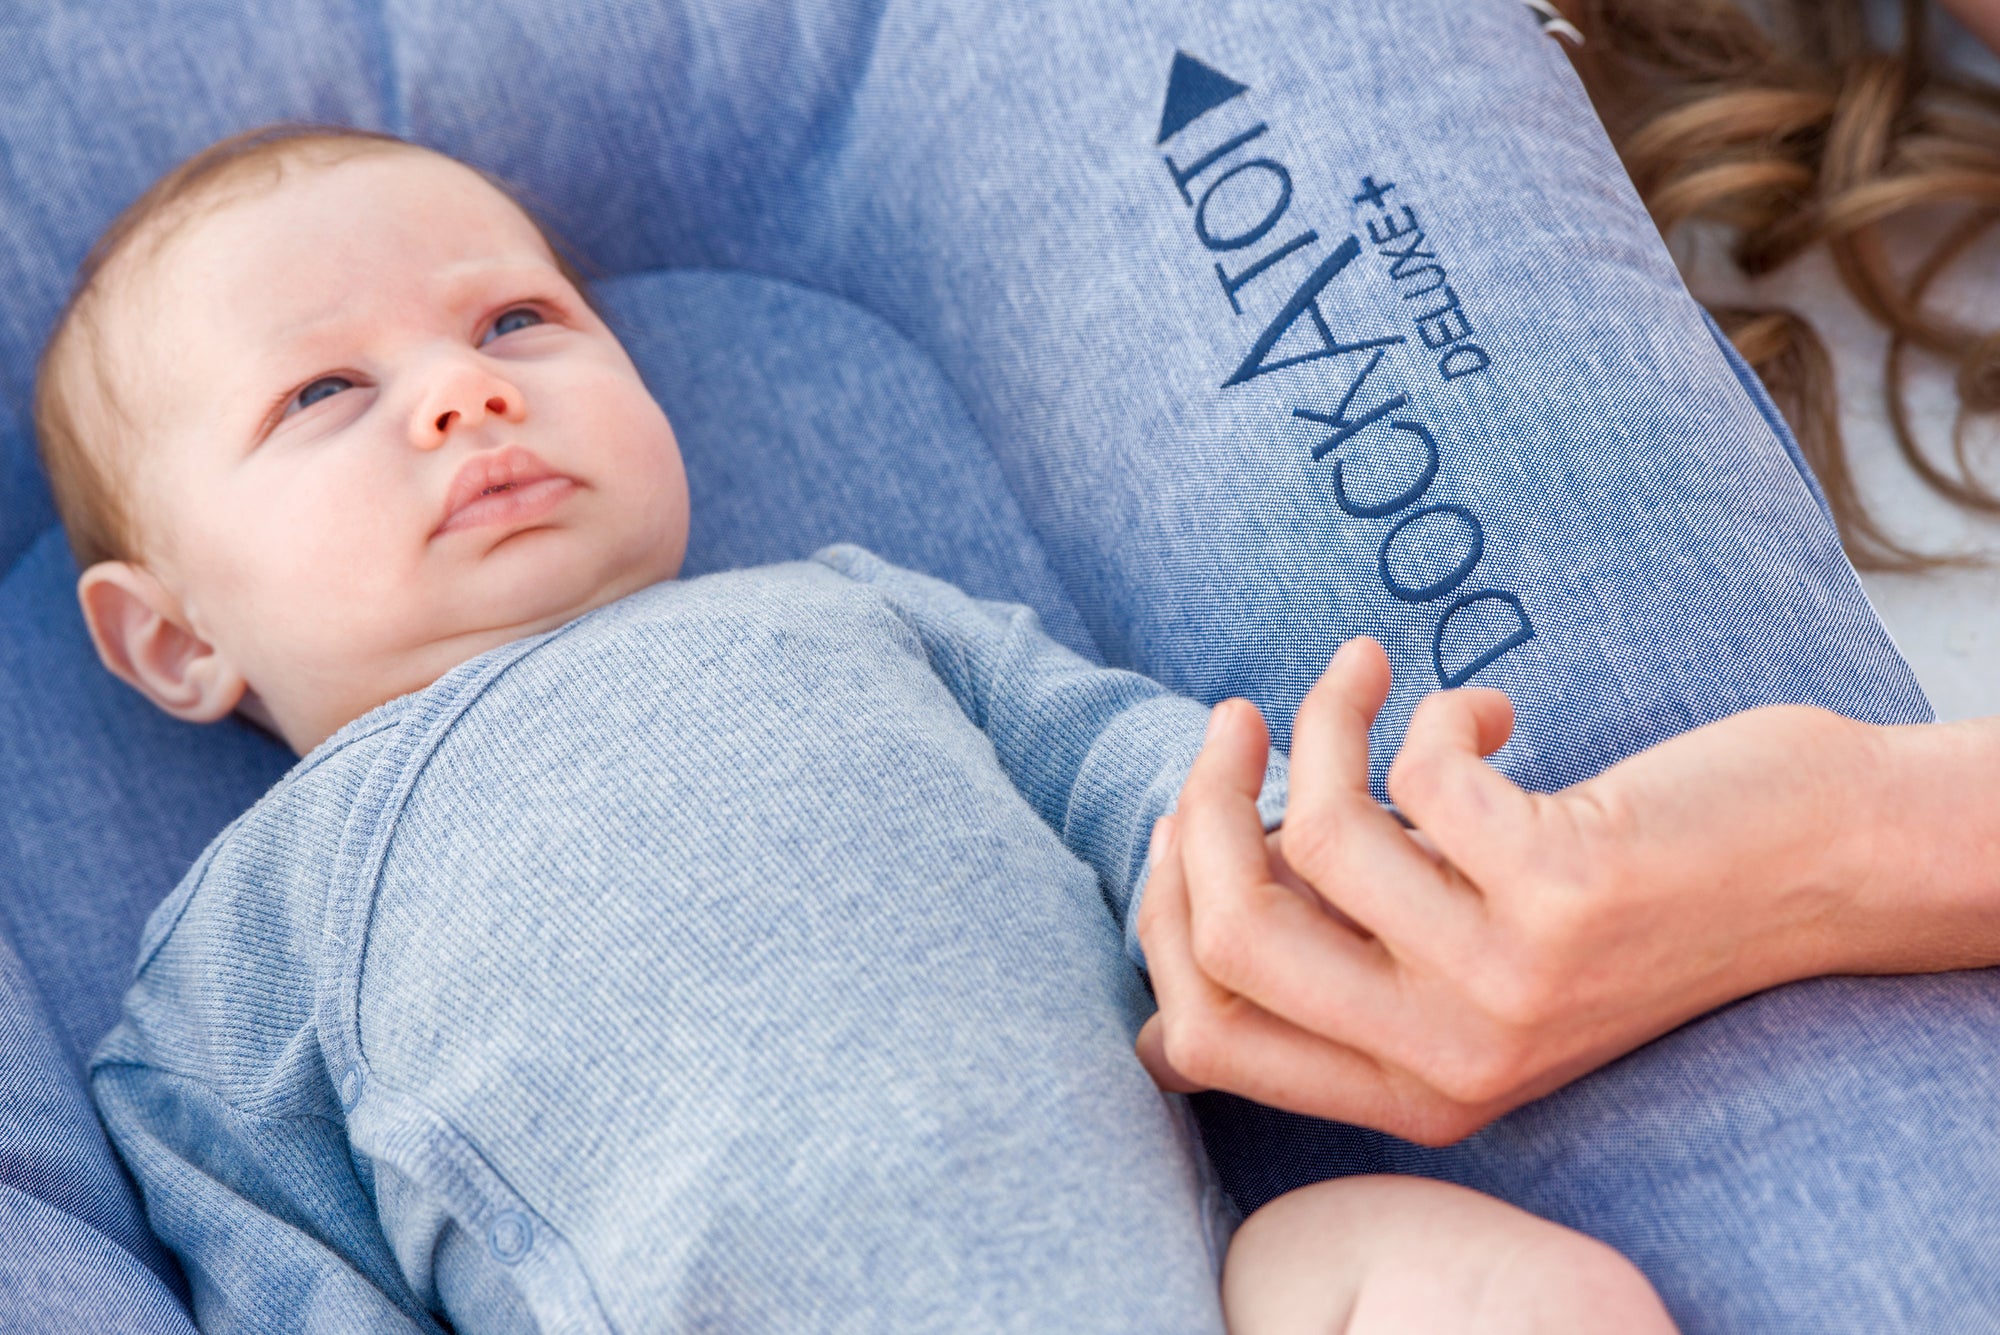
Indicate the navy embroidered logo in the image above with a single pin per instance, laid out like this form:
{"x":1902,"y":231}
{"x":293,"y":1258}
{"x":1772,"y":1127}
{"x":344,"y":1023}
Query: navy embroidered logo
{"x":1193,"y":89}
{"x":1238,"y":196}
{"x":1419,"y":277}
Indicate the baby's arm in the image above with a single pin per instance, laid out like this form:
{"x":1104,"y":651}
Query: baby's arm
{"x":1100,"y":753}
{"x":266,"y":1213}
{"x":1407,"y":1256}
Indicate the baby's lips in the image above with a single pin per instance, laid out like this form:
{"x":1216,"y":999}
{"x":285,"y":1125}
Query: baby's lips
{"x":512,"y":507}
{"x":513,"y":465}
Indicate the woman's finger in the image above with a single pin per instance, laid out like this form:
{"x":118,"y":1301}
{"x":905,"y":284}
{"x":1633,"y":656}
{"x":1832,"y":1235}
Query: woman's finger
{"x":1472,"y":814}
{"x":1207,"y":1037}
{"x":1357,"y":857}
{"x":1248,"y":934}
{"x":1230,"y":765}
{"x":1329,"y":767}
{"x":1224,"y":783}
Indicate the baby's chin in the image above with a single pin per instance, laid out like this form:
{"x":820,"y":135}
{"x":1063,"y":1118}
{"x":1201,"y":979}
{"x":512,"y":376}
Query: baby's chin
{"x":562,"y":605}
{"x":553,"y":581}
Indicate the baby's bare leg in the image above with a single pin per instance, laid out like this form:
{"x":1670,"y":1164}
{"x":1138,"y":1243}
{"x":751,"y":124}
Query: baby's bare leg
{"x":1368,"y":1255}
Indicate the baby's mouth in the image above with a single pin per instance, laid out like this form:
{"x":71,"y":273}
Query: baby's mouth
{"x":510,"y":503}
{"x":502,"y":485}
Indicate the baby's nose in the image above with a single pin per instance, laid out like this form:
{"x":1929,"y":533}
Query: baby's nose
{"x":459,"y":397}
{"x":496,"y":406}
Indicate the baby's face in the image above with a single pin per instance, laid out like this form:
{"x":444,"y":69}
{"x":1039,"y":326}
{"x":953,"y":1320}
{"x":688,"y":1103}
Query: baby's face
{"x":383,"y":434}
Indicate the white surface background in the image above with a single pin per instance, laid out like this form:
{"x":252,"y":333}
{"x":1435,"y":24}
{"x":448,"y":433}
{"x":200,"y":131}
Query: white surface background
{"x":1946,"y":622}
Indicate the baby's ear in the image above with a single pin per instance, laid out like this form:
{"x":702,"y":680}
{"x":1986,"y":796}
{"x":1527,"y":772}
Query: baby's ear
{"x":135,"y":622}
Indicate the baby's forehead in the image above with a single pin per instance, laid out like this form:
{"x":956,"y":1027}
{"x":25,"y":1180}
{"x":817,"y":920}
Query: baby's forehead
{"x":143,"y":276}
{"x":252,"y":244}
{"x":321,"y":204}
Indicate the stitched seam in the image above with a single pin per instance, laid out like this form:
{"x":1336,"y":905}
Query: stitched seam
{"x":451,"y":1175}
{"x":187,"y":1077}
{"x":385,"y":817}
{"x":196,"y":875}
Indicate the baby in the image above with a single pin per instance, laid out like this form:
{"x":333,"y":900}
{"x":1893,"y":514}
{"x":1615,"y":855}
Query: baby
{"x":629,"y":953}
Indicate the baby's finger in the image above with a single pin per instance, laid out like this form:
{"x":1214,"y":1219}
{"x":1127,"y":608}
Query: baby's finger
{"x":1163,"y":935}
{"x":1158,"y":867}
{"x":1164,"y":894}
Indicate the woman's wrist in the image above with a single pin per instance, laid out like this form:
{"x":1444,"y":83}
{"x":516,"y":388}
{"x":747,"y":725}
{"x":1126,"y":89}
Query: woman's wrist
{"x":1920,"y":849}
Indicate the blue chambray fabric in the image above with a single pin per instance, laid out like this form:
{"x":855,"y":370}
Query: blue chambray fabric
{"x":985,"y":228}
{"x":100,"y":1270}
{"x":749,"y":953}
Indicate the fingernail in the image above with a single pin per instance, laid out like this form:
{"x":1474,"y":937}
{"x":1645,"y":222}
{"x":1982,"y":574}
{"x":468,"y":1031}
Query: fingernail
{"x":1151,"y":1047}
{"x":1214,"y":721}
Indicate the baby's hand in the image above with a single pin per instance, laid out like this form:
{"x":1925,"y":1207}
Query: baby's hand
{"x":1397,"y":1255}
{"x":1425,"y":981}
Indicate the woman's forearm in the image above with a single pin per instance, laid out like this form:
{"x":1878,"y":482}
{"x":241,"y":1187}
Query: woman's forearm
{"x":1925,"y":842}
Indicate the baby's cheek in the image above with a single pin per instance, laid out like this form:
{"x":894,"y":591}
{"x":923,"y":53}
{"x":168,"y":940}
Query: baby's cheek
{"x":348,"y":562}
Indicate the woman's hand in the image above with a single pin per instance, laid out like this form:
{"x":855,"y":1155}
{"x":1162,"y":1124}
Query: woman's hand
{"x":1424,"y":982}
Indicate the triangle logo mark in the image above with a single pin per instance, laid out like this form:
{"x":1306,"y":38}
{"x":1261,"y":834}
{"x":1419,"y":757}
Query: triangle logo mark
{"x":1193,"y":89}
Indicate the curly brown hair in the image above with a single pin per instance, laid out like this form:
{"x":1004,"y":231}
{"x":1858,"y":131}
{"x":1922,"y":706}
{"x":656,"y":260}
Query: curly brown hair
{"x":1801,"y":129}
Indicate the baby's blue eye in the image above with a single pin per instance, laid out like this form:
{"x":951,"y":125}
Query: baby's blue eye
{"x":330,"y":384}
{"x":500,"y":326}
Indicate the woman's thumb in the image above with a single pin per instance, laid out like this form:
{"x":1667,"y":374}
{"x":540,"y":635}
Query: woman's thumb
{"x":1152,"y":1050}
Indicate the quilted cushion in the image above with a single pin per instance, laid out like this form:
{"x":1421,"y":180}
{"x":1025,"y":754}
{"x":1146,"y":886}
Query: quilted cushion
{"x":1220,"y":332}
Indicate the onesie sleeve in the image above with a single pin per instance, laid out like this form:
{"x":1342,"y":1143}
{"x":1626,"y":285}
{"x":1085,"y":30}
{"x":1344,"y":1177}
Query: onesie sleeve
{"x":1100,"y":753}
{"x":214,"y":1089}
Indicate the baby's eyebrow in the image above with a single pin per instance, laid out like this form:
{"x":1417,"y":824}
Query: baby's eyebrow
{"x":469,"y":280}
{"x":458,"y":284}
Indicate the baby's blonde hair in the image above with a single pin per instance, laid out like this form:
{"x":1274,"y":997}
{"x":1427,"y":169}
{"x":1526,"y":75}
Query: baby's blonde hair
{"x":85,"y":434}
